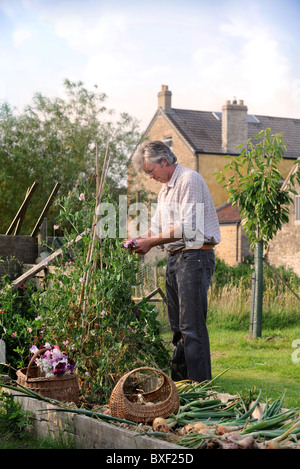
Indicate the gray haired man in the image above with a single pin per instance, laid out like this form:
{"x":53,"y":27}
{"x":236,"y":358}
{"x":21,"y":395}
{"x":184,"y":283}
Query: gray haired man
{"x":189,"y":238}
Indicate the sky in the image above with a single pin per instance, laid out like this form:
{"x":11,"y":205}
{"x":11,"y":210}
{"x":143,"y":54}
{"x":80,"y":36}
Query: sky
{"x":207,"y":52}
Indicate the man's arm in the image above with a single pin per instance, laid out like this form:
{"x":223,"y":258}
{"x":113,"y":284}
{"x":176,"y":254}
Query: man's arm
{"x":148,"y":241}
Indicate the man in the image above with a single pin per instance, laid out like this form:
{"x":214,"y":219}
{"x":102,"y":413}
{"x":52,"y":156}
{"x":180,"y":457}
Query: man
{"x":186,"y":225}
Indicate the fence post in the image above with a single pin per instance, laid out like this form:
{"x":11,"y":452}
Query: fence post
{"x":252,"y":304}
{"x":258,"y":296}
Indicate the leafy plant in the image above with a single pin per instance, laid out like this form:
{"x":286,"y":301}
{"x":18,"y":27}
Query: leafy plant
{"x":19,"y":324}
{"x":111,"y":335}
{"x":255,"y":185}
{"x":14,"y":421}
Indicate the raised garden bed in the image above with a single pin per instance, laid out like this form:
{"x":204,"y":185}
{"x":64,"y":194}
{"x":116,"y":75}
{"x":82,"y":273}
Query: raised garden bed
{"x":88,"y":433}
{"x":259,"y":426}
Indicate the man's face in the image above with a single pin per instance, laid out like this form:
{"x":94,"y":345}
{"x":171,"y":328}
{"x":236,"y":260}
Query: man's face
{"x":158,"y":171}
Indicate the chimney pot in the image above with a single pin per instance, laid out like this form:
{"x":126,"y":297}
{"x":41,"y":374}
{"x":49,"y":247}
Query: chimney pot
{"x":165,"y":98}
{"x":234,"y":125}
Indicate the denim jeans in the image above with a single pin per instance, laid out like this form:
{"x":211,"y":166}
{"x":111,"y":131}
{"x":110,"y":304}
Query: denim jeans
{"x":188,"y":278}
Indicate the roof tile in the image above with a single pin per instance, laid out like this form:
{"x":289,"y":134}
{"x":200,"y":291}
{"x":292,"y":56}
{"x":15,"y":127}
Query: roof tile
{"x":228,"y":213}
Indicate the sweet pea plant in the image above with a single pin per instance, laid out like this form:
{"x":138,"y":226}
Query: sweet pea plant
{"x":19,"y":323}
{"x":111,"y":335}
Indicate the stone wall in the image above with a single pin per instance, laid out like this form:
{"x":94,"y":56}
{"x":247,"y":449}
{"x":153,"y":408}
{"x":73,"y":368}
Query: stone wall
{"x":87,"y":432}
{"x":284,"y":248}
{"x":234,"y":246}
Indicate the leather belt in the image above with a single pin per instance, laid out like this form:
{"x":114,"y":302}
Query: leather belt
{"x":205,"y":247}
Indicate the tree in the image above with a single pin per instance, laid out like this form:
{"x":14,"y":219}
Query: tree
{"x":55,"y":139}
{"x":255,"y":185}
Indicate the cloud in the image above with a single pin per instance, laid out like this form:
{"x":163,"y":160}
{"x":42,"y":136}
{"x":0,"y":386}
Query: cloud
{"x":107,"y":68}
{"x":237,"y":61}
{"x":101,"y":32}
{"x":205,"y":53}
{"x":20,"y":36}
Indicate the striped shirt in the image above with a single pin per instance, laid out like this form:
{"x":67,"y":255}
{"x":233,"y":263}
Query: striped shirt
{"x":185,"y":201}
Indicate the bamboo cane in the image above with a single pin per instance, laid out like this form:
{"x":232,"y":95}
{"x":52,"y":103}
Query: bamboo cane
{"x":100,"y":187}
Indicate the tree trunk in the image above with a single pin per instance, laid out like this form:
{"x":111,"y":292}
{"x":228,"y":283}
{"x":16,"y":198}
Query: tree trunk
{"x":258,"y":291}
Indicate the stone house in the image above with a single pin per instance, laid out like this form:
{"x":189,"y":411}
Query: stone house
{"x":234,"y":246}
{"x":284,"y":248}
{"x":202,"y":139}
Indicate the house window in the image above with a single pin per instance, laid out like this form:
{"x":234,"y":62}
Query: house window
{"x":168,"y":141}
{"x":297,"y":207}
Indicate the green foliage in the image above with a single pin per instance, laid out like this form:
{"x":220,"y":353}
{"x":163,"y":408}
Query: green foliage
{"x":19,"y":324}
{"x":225,"y":274}
{"x":255,"y":185}
{"x":14,"y":422}
{"x":234,"y":276}
{"x":107,"y":335}
{"x":55,"y":140}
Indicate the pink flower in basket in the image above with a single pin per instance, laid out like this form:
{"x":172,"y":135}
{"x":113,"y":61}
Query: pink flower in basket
{"x":53,"y":362}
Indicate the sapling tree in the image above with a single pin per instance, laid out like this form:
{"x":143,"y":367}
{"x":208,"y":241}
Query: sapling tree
{"x":253,"y":182}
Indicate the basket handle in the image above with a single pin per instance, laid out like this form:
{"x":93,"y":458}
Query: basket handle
{"x":144,"y":368}
{"x":37,"y":353}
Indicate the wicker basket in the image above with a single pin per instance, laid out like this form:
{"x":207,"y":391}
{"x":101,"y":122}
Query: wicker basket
{"x":63,"y":389}
{"x":164,"y":399}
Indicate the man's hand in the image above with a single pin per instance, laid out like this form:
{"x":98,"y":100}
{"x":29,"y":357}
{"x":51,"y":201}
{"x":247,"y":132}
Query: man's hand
{"x":139,"y":245}
{"x":143,"y":245}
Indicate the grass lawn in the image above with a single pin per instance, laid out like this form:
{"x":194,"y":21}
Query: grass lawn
{"x":265,"y":363}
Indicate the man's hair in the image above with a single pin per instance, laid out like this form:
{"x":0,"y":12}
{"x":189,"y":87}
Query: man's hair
{"x":153,"y":151}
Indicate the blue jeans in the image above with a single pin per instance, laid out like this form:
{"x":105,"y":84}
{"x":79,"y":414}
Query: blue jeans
{"x":188,"y":278}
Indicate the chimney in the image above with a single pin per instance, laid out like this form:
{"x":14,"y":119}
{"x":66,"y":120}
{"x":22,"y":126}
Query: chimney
{"x":234,"y":125}
{"x":165,"y":98}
